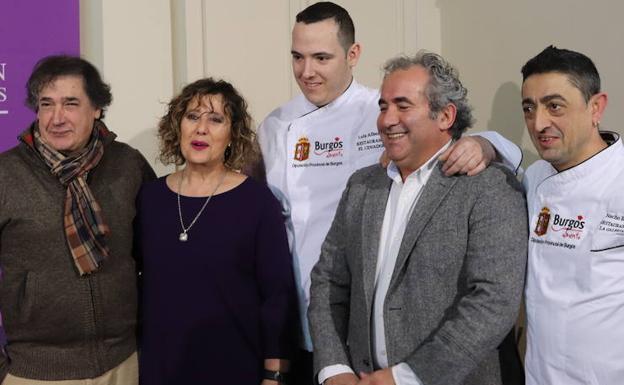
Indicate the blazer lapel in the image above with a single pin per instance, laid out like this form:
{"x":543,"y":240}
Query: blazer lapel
{"x":373,"y":210}
{"x":434,"y":191}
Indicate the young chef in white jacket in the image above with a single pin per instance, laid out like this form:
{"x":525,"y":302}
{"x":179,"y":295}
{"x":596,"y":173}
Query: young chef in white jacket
{"x":313,"y":143}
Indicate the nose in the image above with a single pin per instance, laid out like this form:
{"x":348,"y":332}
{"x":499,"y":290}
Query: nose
{"x":58,"y":115}
{"x":387,"y":118}
{"x":542,"y":119}
{"x":308,"y":69}
{"x":202,"y":124}
{"x":202,"y":127}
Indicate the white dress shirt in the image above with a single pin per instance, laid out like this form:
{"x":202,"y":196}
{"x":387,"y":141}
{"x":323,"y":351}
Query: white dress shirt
{"x":401,"y":202}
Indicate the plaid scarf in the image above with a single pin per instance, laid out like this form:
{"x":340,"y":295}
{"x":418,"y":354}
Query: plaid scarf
{"x":85,"y":230}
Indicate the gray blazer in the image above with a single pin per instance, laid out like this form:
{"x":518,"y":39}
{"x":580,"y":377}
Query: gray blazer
{"x":456,"y":287}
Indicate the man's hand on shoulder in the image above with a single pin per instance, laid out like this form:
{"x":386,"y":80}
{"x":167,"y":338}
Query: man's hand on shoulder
{"x":342,"y":379}
{"x":469,"y":155}
{"x":378,"y":377}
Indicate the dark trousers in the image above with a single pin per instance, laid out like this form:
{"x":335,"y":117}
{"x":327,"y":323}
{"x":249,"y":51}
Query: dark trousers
{"x":302,"y":368}
{"x":512,"y":371}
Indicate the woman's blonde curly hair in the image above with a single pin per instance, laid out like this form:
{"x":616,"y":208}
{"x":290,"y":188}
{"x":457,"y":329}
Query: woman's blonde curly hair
{"x":244,"y":147}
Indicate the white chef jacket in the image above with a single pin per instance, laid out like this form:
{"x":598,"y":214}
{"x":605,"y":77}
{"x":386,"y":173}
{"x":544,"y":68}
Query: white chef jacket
{"x":575,"y":279}
{"x":341,"y":138}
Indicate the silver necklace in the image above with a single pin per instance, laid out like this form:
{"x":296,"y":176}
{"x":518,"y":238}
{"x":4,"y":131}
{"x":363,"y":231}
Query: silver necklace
{"x":184,"y":234}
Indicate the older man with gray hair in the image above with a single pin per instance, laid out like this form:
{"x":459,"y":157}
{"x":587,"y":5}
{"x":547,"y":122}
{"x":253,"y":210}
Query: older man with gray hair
{"x":421,"y":274}
{"x":68,"y":292}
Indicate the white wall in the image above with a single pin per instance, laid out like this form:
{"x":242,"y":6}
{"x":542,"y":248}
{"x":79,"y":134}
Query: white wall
{"x":248,"y":43}
{"x":489,"y":41}
{"x":148,"y":49}
{"x":130,"y":42}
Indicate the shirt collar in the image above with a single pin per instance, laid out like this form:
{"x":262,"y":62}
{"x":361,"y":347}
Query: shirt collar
{"x":596,"y":162}
{"x":423,"y":172}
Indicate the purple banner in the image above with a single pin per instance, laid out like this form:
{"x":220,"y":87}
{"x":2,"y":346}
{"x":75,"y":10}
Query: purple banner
{"x":30,"y":30}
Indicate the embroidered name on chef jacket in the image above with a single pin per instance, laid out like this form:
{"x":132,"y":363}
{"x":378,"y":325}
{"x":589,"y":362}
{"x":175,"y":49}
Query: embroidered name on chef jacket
{"x":612,"y":223}
{"x":368,"y":141}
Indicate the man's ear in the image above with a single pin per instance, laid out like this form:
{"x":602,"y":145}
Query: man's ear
{"x":446,"y":117}
{"x":353,"y":54}
{"x":597,"y":103}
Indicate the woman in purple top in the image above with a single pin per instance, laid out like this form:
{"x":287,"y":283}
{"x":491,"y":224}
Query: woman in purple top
{"x":218,"y":294}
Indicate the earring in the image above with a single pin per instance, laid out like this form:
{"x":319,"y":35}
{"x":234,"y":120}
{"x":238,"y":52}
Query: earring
{"x":228,"y":152}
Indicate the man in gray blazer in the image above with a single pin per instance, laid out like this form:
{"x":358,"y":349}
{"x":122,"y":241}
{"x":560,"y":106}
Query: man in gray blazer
{"x":420,"y":276}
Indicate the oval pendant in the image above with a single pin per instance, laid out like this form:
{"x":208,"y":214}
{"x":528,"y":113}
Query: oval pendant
{"x":183,"y":237}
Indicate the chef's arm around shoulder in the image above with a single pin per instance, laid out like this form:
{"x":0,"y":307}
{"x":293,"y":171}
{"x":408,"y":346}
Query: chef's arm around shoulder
{"x":472,"y":153}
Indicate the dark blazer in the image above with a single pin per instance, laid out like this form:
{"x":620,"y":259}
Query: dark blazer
{"x":456,"y":286}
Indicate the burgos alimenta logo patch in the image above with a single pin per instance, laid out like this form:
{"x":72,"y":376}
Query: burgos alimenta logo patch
{"x":569,"y":227}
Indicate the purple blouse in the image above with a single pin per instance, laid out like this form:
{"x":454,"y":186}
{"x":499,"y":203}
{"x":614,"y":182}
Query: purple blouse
{"x":213,"y":307}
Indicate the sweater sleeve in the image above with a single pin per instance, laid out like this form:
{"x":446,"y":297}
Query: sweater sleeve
{"x":274,"y":274}
{"x":4,"y":365}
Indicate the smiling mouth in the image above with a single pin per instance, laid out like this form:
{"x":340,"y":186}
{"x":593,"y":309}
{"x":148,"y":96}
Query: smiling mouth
{"x":546,"y":139}
{"x":311,"y":84}
{"x":395,"y":135}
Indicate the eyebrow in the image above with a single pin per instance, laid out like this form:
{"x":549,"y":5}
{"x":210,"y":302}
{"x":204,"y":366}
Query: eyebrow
{"x":397,"y":100}
{"x":64,"y":99}
{"x":205,"y":111}
{"x":544,"y":99}
{"x":402,"y":99}
{"x":548,"y":98}
{"x":321,"y":53}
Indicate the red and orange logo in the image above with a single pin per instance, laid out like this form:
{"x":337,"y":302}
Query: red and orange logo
{"x":542,"y":222}
{"x":302,"y":149}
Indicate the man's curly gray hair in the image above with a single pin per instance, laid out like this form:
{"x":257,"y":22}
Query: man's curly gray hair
{"x":444,"y":87}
